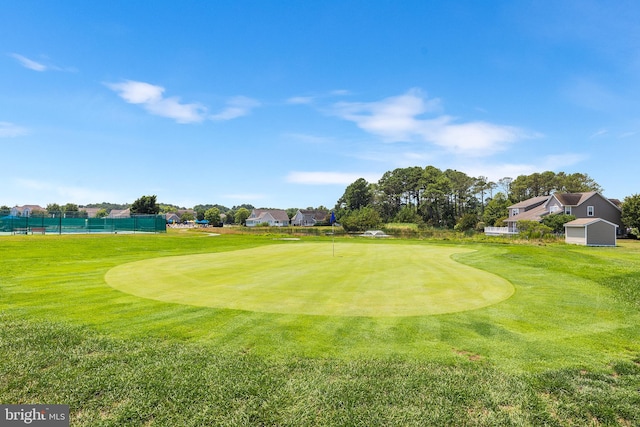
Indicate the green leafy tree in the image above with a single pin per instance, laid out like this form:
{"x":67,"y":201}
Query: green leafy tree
{"x":54,"y":208}
{"x":496,"y":209}
{"x":533,"y":229}
{"x":70,"y":207}
{"x":357,"y":195}
{"x":145,"y":205}
{"x":187,"y":216}
{"x":102,"y":213}
{"x":241,"y":216}
{"x":557,"y":221}
{"x":229,"y":216}
{"x":467,"y":222}
{"x":5,"y":210}
{"x":631,"y":213}
{"x":212,"y":215}
{"x":407,"y":215}
{"x":361,"y":219}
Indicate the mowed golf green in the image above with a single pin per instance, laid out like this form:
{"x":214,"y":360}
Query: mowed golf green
{"x":348,"y":279}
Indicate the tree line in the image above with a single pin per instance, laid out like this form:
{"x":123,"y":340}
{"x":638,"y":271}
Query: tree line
{"x":446,"y":199}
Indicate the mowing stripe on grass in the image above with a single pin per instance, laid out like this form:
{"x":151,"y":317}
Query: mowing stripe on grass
{"x":304,"y":278}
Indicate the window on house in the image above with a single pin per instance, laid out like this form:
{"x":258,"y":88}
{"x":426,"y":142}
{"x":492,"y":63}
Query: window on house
{"x":515,"y":211}
{"x":567,"y":210}
{"x":589,"y":210}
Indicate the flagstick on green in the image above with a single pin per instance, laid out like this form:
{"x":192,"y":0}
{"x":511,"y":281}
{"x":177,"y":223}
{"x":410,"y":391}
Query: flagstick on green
{"x":333,"y":234}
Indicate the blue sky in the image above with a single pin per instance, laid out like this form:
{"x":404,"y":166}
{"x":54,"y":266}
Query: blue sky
{"x":285,"y":103}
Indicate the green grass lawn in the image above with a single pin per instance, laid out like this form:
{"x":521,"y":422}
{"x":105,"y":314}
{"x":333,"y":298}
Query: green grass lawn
{"x":559,"y":346}
{"x":308,"y":278}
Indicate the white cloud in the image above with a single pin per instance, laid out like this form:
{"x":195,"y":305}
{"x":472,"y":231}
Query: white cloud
{"x":599,"y":133}
{"x":236,"y":107}
{"x":627,"y":134}
{"x":29,"y":63}
{"x":310,"y":99}
{"x":328,"y":178}
{"x":10,"y":130}
{"x":52,"y":191}
{"x":401,"y":119}
{"x":300,"y":100}
{"x":151,"y":98}
{"x":137,"y":92}
{"x":555,"y":162}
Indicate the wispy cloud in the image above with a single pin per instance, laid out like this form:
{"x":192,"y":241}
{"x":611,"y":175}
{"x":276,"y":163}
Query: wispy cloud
{"x":328,"y":178}
{"x":10,"y":130}
{"x":237,"y":106}
{"x":151,"y":98}
{"x":627,"y":134}
{"x":42,"y":65}
{"x":402,"y":119}
{"x":29,"y":63}
{"x":310,"y":99}
{"x":69,"y":194}
{"x":300,"y":100}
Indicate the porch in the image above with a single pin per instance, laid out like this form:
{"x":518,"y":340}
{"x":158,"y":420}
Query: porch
{"x":500,"y":231}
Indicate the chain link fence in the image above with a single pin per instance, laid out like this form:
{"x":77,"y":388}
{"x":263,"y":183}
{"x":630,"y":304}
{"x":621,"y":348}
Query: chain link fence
{"x":63,"y":224}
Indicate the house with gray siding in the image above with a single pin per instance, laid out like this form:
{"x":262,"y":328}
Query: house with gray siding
{"x":589,"y":205}
{"x":590,"y":232}
{"x":272,"y":217}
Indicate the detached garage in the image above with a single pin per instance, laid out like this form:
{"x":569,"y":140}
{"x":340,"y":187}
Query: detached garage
{"x":590,"y":232}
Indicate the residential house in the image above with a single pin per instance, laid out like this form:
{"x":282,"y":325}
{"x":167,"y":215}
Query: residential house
{"x":91,"y":212}
{"x":119,"y":213}
{"x":272,"y":217}
{"x":26,"y":210}
{"x":310,"y":217}
{"x":581,"y":205}
{"x":172,"y":218}
{"x":590,"y":232}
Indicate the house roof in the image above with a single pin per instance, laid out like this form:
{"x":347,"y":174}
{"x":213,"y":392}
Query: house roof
{"x":581,"y":222}
{"x":119,"y":213}
{"x":318,"y":214}
{"x":576,"y":199}
{"x":530,"y":202}
{"x":573,"y":199}
{"x":277,"y":214}
{"x":534,"y":214}
{"x":30,"y":207}
{"x":91,"y":212}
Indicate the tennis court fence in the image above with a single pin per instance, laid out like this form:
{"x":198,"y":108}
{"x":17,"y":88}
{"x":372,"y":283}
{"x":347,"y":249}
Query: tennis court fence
{"x":60,"y":224}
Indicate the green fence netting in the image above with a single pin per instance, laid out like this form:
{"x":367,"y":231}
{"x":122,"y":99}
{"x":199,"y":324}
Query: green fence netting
{"x":62,"y":225}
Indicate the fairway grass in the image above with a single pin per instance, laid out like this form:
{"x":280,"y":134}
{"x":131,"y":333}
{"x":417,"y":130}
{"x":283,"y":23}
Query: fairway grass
{"x":562,"y":349}
{"x":307,"y":278}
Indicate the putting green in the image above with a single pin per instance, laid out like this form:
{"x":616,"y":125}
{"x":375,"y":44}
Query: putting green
{"x":307,"y":278}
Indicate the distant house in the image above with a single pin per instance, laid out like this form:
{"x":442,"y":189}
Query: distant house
{"x":26,"y":210}
{"x":589,"y":205}
{"x":172,"y":218}
{"x":590,"y":232}
{"x":119,"y":213}
{"x":272,"y":217}
{"x":310,"y":217}
{"x":91,"y":212}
